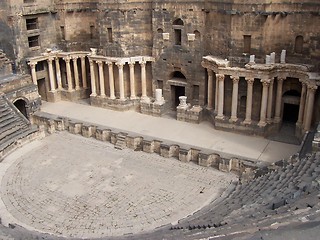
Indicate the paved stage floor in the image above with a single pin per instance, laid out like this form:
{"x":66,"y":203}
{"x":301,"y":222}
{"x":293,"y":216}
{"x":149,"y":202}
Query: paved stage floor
{"x":201,"y":135}
{"x":72,"y":186}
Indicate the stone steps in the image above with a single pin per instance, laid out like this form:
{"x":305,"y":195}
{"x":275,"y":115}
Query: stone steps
{"x":121,"y":141}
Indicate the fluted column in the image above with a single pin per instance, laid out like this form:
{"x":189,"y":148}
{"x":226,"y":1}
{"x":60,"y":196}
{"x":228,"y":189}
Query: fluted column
{"x":58,"y":73}
{"x":76,"y":72}
{"x":264,"y":102}
{"x":234,"y":106}
{"x":210,"y":90}
{"x":121,"y":81}
{"x":250,"y":82}
{"x":143,"y":80}
{"x":101,"y":79}
{"x":83,"y":72}
{"x":51,"y":75}
{"x":111,"y":80}
{"x":69,"y":78}
{"x":309,"y":108}
{"x":302,"y":103}
{"x":93,"y":79}
{"x":270,"y":98}
{"x":132,"y":81}
{"x":33,"y":72}
{"x":277,"y":117}
{"x":220,"y":78}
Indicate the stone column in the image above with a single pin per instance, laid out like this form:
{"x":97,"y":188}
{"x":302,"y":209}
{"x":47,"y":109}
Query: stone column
{"x":216,"y":96}
{"x":250,"y":82}
{"x":210,"y":85}
{"x":58,"y":73}
{"x":93,"y":79}
{"x":111,"y":80}
{"x":309,"y":108}
{"x":144,"y":96}
{"x":234,"y":106}
{"x":302,"y":104}
{"x":83,"y":72}
{"x":220,"y":78}
{"x":69,"y":78}
{"x":101,"y":79}
{"x":277,"y":117}
{"x":76,"y":72}
{"x":51,"y":75}
{"x":33,"y":72}
{"x":264,"y":102}
{"x":270,"y":98}
{"x":121,"y":81}
{"x":132,"y":81}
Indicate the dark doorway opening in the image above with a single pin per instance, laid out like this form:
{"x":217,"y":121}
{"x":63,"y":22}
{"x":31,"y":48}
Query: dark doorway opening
{"x":176,"y":92}
{"x":290,"y":113}
{"x":42,"y":89}
{"x":21,"y":105}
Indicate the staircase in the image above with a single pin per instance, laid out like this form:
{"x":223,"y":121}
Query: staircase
{"x":121,"y":141}
{"x":13,"y":125}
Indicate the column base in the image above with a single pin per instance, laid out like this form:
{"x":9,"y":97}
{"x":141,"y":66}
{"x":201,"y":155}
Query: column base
{"x":262,"y":124}
{"x":112,"y":98}
{"x":145,"y":99}
{"x":247,"y":122}
{"x":269,"y":120}
{"x":220,"y":117}
{"x":133,"y":97}
{"x":93,"y":95}
{"x":277,"y":119}
{"x":233,"y":119}
{"x":103,"y":96}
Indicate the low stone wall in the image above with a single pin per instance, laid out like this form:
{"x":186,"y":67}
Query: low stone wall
{"x":244,"y":168}
{"x":152,"y":108}
{"x":190,"y":114}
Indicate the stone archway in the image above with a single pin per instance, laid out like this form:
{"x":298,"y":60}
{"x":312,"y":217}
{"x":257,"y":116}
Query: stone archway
{"x":21,"y":105}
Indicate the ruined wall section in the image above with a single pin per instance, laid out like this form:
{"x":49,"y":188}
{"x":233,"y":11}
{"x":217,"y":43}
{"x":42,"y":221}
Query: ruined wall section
{"x":76,"y":24}
{"x":33,"y":29}
{"x":6,"y":34}
{"x":178,"y":30}
{"x":273,"y":26}
{"x":125,"y":28}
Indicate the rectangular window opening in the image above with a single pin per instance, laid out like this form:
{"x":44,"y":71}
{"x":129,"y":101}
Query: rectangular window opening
{"x":195,"y":93}
{"x":39,"y":66}
{"x":33,"y":41}
{"x":177,"y":34}
{"x":91,"y":32}
{"x":63,"y":33}
{"x":247,"y":44}
{"x":110,"y":39}
{"x":32,"y":23}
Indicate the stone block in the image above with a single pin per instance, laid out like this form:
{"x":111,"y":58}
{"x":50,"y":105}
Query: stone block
{"x":88,"y":131}
{"x":194,"y":155}
{"x":207,"y":160}
{"x":234,"y":165}
{"x":224,"y":165}
{"x":134,"y":143}
{"x":168,"y":151}
{"x":148,"y":146}
{"x":103,"y":134}
{"x":51,"y":126}
{"x":60,"y":126}
{"x":165,"y":36}
{"x":157,"y":146}
{"x":184,"y":155}
{"x":191,"y":37}
{"x":75,"y":128}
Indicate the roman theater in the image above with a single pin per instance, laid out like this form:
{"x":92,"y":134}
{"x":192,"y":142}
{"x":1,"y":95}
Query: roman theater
{"x":159,"y":119}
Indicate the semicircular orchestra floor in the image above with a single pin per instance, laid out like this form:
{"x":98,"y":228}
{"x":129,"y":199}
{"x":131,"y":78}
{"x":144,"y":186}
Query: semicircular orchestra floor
{"x":72,"y":186}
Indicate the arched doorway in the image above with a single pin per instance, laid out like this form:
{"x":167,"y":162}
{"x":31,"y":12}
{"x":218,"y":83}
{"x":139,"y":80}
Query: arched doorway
{"x":21,"y":105}
{"x":291,"y":101}
{"x":178,"y":83}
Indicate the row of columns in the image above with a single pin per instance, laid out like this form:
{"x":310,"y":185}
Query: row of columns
{"x":305,"y":109}
{"x":55,"y":80}
{"x":120,"y":66}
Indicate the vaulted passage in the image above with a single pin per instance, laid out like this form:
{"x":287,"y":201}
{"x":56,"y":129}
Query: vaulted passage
{"x":21,"y":105}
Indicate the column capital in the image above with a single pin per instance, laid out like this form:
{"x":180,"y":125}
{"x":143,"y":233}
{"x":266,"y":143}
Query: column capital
{"x":91,"y":62}
{"x":50,"y":59}
{"x":110,"y":64}
{"x":220,"y":77}
{"x":281,"y":79}
{"x":142,"y":62}
{"x":32,"y":64}
{"x":67,"y":59}
{"x":312,"y":87}
{"x":74,"y":57}
{"x":250,"y":81}
{"x":265,"y":82}
{"x":120,"y":64}
{"x":210,"y":72}
{"x":235,"y":79}
{"x":83,"y":57}
{"x":131,"y":64}
{"x":99,"y":62}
